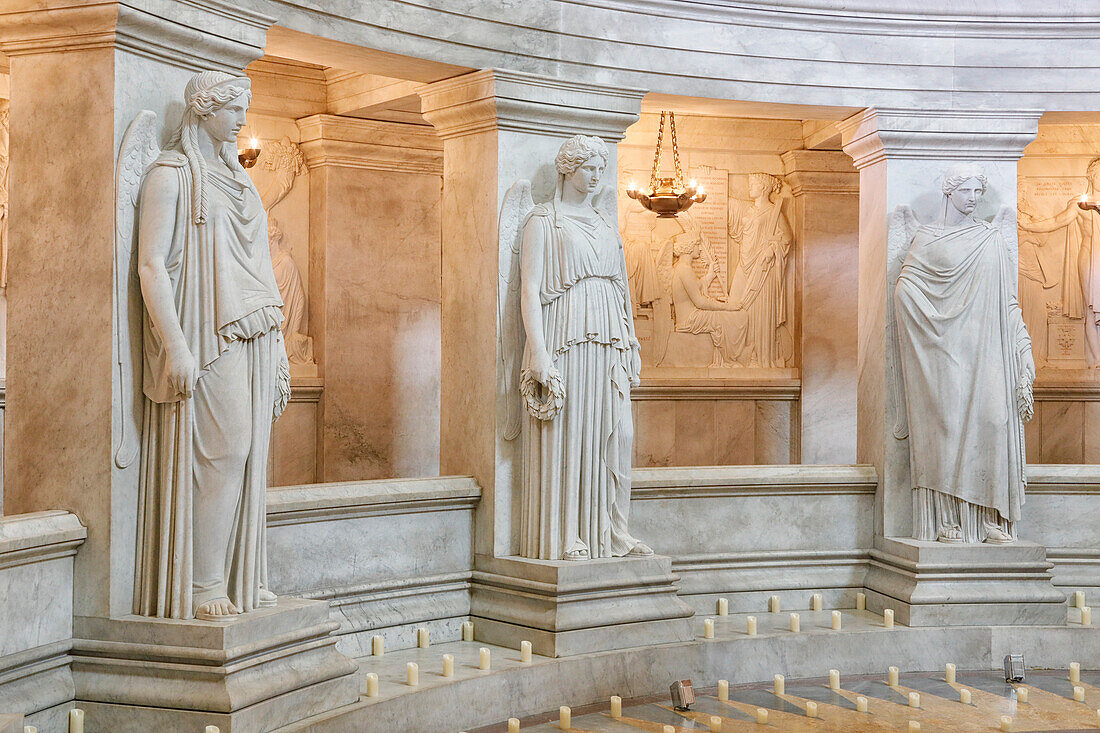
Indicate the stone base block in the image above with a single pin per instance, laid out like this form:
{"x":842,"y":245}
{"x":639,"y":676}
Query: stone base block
{"x":938,"y":584}
{"x":568,"y":608}
{"x":257,"y":672}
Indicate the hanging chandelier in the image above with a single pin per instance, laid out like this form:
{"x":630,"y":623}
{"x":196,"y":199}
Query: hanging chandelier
{"x":667,"y":197}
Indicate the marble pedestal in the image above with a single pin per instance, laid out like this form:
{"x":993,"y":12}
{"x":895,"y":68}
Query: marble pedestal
{"x":567,"y":608}
{"x":939,"y":584}
{"x":258,"y":672}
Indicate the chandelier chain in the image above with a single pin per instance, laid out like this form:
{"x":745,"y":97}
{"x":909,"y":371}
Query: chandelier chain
{"x":657,"y":155}
{"x":675,"y":152}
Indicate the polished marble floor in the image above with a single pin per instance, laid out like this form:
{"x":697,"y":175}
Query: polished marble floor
{"x":1050,"y":706}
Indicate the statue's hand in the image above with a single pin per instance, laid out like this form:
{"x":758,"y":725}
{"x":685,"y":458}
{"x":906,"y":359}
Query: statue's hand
{"x":541,"y":366}
{"x":183,"y":372}
{"x":635,"y":366}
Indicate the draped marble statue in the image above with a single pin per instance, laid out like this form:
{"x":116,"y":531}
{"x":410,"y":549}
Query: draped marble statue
{"x":299,"y":346}
{"x":215,"y":369}
{"x":697,"y":312}
{"x":759,"y":281}
{"x":1081,"y":266}
{"x":566,"y":304}
{"x":964,"y":367}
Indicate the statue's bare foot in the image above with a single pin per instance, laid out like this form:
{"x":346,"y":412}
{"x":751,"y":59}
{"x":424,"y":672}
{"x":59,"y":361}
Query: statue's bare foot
{"x":640,"y":549}
{"x":576,"y":551}
{"x":266,"y":599}
{"x":218,"y":609}
{"x":997,"y":536}
{"x":950,"y":535}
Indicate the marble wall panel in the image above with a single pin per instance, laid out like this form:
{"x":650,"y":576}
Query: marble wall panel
{"x":1062,"y":432}
{"x":294,"y":446}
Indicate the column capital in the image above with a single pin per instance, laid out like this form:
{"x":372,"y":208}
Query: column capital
{"x":350,"y":142}
{"x":874,"y":135}
{"x":820,"y":171}
{"x":212,"y":34}
{"x":497,"y":99}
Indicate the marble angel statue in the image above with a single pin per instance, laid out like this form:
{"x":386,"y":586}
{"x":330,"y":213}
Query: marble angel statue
{"x":565,"y":306}
{"x":215,"y":376}
{"x":964,"y":366}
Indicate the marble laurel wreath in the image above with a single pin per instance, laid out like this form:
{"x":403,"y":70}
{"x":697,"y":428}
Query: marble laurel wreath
{"x":215,"y":371}
{"x":965,"y":368}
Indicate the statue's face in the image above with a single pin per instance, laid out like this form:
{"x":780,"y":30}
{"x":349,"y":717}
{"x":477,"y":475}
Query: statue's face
{"x":756,"y":188}
{"x":587,"y":176}
{"x":965,"y":197}
{"x":1094,"y":179}
{"x":224,"y":124}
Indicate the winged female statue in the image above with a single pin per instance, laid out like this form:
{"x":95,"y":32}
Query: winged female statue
{"x":570,"y":353}
{"x":215,"y":376}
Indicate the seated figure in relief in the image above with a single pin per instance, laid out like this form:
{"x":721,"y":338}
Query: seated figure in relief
{"x":697,"y":312}
{"x":965,"y":367}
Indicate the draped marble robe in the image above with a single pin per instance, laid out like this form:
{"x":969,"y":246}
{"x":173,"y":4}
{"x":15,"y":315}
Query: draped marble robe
{"x":759,"y":279}
{"x":576,"y":467}
{"x":210,"y":450}
{"x":961,"y":341}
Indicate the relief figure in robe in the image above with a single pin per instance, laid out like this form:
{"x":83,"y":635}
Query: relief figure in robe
{"x":697,"y":312}
{"x":964,"y":368}
{"x":567,"y":284}
{"x":216,"y":373}
{"x":1081,"y":267}
{"x":758,"y":283}
{"x":299,"y":346}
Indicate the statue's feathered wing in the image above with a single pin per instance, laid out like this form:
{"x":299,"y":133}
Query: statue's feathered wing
{"x":903,"y":227}
{"x":513,"y":212}
{"x":139,"y":149}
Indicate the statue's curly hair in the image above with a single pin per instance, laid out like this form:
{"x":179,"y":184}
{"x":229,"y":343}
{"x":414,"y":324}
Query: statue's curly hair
{"x":576,"y":150}
{"x":771,"y":183}
{"x":959,"y":173}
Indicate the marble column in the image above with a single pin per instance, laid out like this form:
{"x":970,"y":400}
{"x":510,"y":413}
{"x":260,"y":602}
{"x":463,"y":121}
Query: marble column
{"x":901,"y":156}
{"x":375,"y":293}
{"x":826,"y":215}
{"x":80,"y":73}
{"x":498,"y":127}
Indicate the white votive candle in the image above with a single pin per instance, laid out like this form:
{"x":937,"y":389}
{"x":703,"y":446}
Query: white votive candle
{"x":861,"y":601}
{"x":1079,"y":694}
{"x":377,"y":646}
{"x":762,"y":716}
{"x":780,"y":685}
{"x":949,"y":673}
{"x":513,"y":725}
{"x":773,"y":604}
{"x":565,"y":717}
{"x":914,"y":699}
{"x":484,"y":660}
{"x":668,"y":729}
{"x":751,"y":625}
{"x":423,"y":639}
{"x":815,"y":602}
{"x":708,"y":628}
{"x":796,"y":624}
{"x":76,"y":721}
{"x":372,"y":684}
{"x":467,"y":630}
{"x":1079,"y":599}
{"x":914,"y":726}
{"x":208,"y":729}
{"x":837,"y":620}
{"x":834,"y":679}
{"x":616,"y":706}
{"x":723,"y":607}
{"x":888,"y":618}
{"x":964,"y":696}
{"x":525,"y":652}
{"x":892,"y":676}
{"x":412,"y":674}
{"x":1086,"y":616}
{"x":1021,"y":694}
{"x":1075,"y":672}
{"x":723,"y":690}
{"x":31,"y":729}
{"x":811,"y":709}
{"x":1006,"y":723}
{"x":861,"y":704}
{"x":715,"y":724}
{"x":448,"y":665}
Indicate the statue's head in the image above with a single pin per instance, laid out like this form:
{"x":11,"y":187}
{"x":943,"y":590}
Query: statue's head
{"x":963,"y":185}
{"x":763,"y":183}
{"x":581,"y":161}
{"x":1093,"y":173}
{"x":686,"y":244}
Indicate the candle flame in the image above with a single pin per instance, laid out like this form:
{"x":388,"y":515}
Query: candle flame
{"x":254,"y":144}
{"x":693,"y":183}
{"x":633,"y":186}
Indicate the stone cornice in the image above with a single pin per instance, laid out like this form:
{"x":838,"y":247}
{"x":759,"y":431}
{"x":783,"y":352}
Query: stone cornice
{"x":496,"y":99}
{"x":820,"y":171}
{"x":346,"y":500}
{"x":721,"y":481}
{"x":350,"y":142}
{"x":39,"y":536}
{"x":874,"y":135}
{"x":783,"y":389}
{"x":193,"y":34}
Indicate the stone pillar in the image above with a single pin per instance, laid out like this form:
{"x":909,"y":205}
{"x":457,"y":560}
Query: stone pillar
{"x":499,"y":127}
{"x":826,"y":216}
{"x":374,"y":287}
{"x":80,"y":73}
{"x":901,"y":156}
